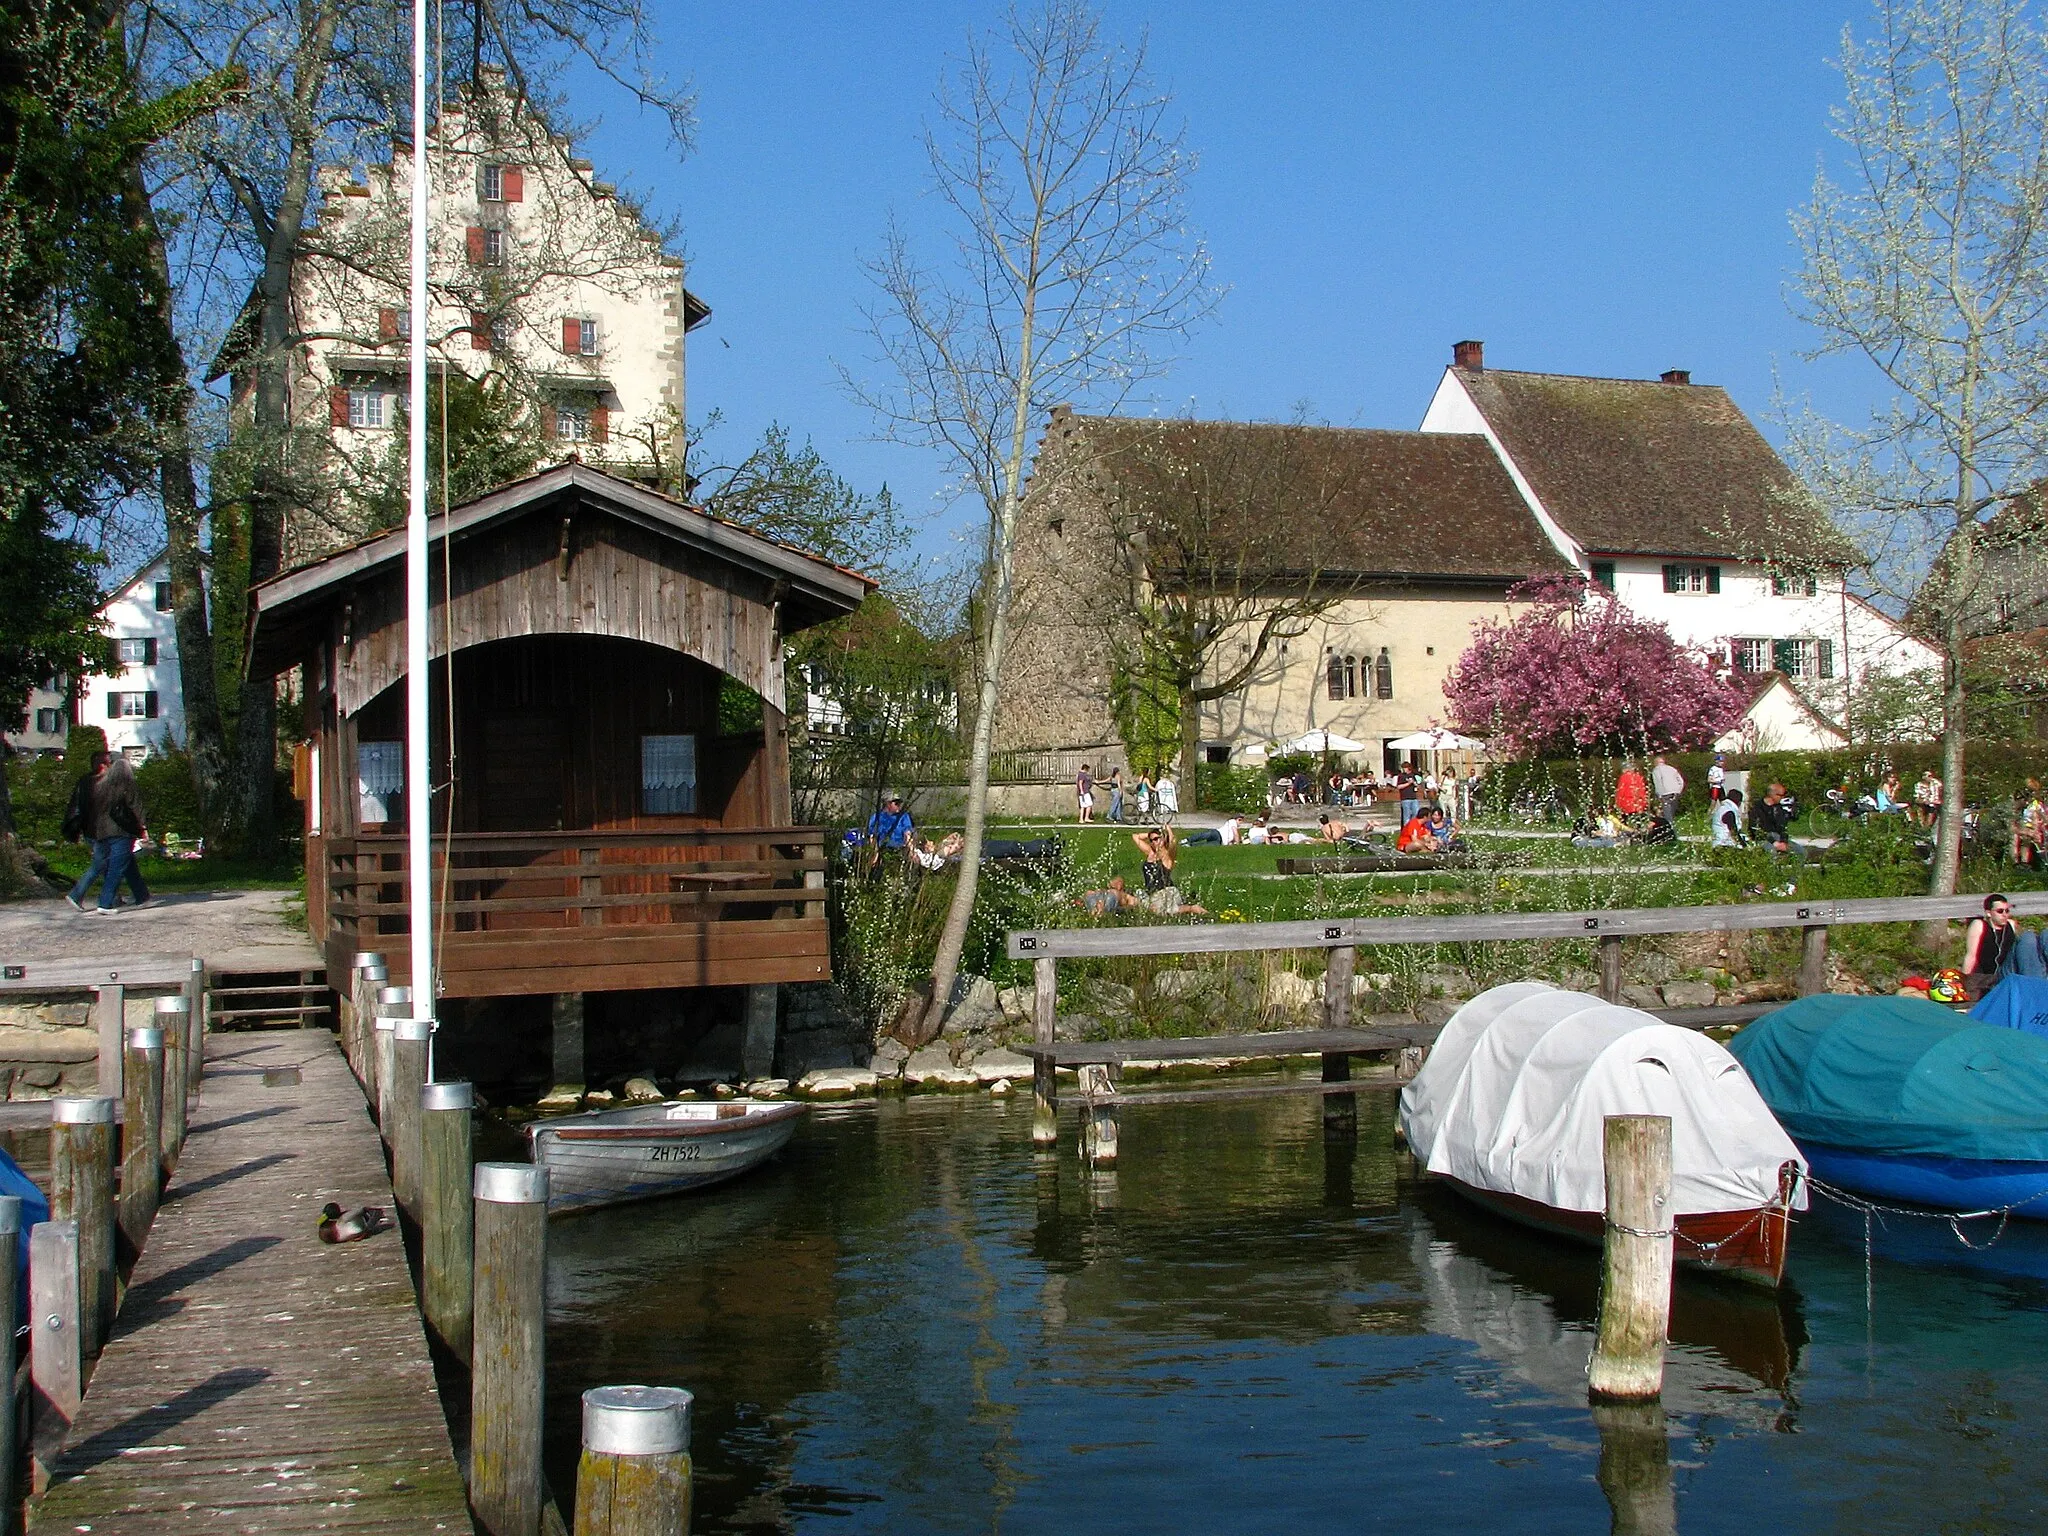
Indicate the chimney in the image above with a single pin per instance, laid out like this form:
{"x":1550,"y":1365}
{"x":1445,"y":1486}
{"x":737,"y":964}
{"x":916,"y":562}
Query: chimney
{"x":1469,"y":355}
{"x":1675,"y":376}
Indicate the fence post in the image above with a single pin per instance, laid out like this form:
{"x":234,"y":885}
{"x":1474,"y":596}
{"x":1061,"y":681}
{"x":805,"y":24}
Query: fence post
{"x":1610,"y":967}
{"x":10,"y":1293}
{"x":402,"y":1100}
{"x":1635,"y":1281}
{"x":447,"y":1216}
{"x":82,"y":1193}
{"x":174,"y":1022}
{"x":1045,"y":1096}
{"x":195,"y":1020}
{"x":1098,"y":1118}
{"x":109,"y":1009}
{"x":56,"y":1371}
{"x":142,"y":1125}
{"x":1813,"y":960}
{"x":393,"y":1004}
{"x":634,"y":1478}
{"x":507,"y":1375}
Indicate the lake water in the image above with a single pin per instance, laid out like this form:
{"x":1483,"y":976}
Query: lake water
{"x":913,"y":1323}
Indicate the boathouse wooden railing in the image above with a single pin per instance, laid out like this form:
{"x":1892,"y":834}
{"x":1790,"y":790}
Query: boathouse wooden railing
{"x":588,"y":879}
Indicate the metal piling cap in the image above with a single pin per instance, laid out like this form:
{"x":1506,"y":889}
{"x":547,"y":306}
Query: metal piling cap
{"x":366,"y":959}
{"x":81,"y":1111}
{"x":636,"y":1421}
{"x":447,"y":1096}
{"x":379,"y":973}
{"x":146,"y":1038}
{"x":179,"y":1004}
{"x":412,"y":1029}
{"x":394,"y":995}
{"x":10,"y":1215}
{"x":511,"y":1183}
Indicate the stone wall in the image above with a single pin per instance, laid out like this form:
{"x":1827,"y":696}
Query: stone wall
{"x":49,"y":1047}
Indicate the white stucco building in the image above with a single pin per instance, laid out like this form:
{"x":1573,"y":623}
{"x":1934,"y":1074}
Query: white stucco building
{"x":1663,"y":491}
{"x":545,"y":281}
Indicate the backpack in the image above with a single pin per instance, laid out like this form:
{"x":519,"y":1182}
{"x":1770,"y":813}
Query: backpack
{"x":76,"y":812}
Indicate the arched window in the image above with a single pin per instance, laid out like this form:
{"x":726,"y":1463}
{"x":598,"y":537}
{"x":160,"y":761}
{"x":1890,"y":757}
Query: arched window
{"x":1350,"y":677}
{"x":1385,"y":674}
{"x":1336,"y":676}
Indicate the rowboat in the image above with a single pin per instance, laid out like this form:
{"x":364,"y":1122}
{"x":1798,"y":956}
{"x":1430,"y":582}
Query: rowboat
{"x":1509,"y":1110}
{"x":1899,"y":1099}
{"x":610,"y":1156}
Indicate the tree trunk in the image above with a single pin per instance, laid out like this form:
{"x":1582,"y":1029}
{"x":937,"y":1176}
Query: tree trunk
{"x":1190,"y":749}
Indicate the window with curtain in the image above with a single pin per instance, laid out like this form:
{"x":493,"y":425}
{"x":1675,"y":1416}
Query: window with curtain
{"x":380,"y":779}
{"x":668,"y":775}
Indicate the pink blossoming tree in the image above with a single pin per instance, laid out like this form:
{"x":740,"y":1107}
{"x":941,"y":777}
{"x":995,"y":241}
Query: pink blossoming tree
{"x":1576,"y":672}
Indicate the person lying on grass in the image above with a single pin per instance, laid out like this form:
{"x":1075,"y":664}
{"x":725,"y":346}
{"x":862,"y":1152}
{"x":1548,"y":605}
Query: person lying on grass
{"x":1111,"y":899}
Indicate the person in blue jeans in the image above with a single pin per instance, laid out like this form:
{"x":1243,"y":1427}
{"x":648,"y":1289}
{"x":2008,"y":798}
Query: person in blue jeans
{"x":113,"y":821}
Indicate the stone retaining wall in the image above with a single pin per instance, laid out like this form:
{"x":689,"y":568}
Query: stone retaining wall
{"x":48,"y":1045}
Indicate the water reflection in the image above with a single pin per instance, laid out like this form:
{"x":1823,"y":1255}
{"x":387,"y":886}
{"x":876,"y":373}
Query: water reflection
{"x":914,"y":1324}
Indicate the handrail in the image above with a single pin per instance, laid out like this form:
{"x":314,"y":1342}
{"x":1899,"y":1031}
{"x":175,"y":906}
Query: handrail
{"x":1352,"y":932}
{"x":463,"y":842}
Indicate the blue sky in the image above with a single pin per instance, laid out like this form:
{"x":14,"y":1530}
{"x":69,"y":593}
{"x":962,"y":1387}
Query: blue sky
{"x":1589,"y":188}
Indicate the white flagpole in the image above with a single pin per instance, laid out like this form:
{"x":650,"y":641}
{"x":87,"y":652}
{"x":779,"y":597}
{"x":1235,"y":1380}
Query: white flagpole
{"x":419,"y":804}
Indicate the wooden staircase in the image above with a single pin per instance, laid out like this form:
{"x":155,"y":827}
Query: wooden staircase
{"x":294,"y":999}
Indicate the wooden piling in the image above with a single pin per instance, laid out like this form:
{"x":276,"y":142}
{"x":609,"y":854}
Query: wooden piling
{"x":402,"y":1103}
{"x":634,"y":1478}
{"x":10,"y":1438}
{"x":507,"y":1376}
{"x":82,"y":1193}
{"x":1635,"y":1283}
{"x":195,"y":1021}
{"x":447,"y":1217}
{"x":142,"y":1155}
{"x":56,"y":1368}
{"x":1337,"y":988}
{"x":1635,"y":1469}
{"x":393,"y":1004}
{"x":1813,"y":959}
{"x":1045,"y":1098}
{"x":1098,"y":1121}
{"x":173,"y":1018}
{"x":365,"y":977}
{"x":1610,"y":967}
{"x":109,"y":1010}
{"x":1340,"y":1110}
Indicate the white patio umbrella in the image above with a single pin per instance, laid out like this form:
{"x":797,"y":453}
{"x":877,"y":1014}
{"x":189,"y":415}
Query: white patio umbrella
{"x":1437,"y":741}
{"x":1322,"y":741}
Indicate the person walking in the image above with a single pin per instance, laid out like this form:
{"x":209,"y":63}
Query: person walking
{"x":1116,"y":794}
{"x":1167,"y":794}
{"x":1631,"y":794}
{"x":1144,"y":793}
{"x":1669,"y":784}
{"x":1084,"y":793}
{"x":114,"y":821}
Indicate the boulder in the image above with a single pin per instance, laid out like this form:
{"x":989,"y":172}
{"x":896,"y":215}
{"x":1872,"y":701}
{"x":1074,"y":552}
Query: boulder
{"x":1654,"y":967}
{"x":974,"y":1005}
{"x":563,"y":1096}
{"x":1448,"y":981}
{"x":642,"y":1090}
{"x":1017,"y":1004}
{"x":598,"y":1098}
{"x":62,"y":1044}
{"x":889,"y":1050}
{"x":1636,"y":995}
{"x":768,"y":1088}
{"x":942,"y":1079}
{"x":837,"y":1083}
{"x":1000,"y":1088}
{"x":1181,"y":983}
{"x":1000,"y":1065}
{"x":1689,"y":994}
{"x":1290,"y":992}
{"x":1109,"y":997}
{"x":1436,"y":1011}
{"x":1075,"y":1026}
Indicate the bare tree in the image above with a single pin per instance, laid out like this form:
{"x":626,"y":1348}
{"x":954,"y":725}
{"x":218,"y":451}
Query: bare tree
{"x":1062,"y":178}
{"x":1224,"y":541}
{"x":1930,"y":258}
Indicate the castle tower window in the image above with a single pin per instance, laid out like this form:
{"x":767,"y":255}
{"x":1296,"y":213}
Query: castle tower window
{"x":1384,"y":674}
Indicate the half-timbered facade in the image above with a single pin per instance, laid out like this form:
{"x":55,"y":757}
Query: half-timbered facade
{"x":608,"y":671}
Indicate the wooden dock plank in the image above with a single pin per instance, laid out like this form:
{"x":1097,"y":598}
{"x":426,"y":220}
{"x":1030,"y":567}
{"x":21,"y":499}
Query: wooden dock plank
{"x":258,"y":1379}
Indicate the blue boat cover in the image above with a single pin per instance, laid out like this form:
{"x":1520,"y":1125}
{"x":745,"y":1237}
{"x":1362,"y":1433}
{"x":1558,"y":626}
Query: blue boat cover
{"x":2017,"y":1002}
{"x":1902,"y":1076}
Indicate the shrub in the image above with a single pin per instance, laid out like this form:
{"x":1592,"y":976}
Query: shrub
{"x":170,"y":795}
{"x":1225,"y":788}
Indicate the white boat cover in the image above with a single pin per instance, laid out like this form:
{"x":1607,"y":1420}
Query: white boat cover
{"x":1514,"y":1093}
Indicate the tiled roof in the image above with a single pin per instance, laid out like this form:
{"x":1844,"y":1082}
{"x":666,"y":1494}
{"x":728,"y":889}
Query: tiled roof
{"x":1302,"y":499}
{"x":1643,"y":467}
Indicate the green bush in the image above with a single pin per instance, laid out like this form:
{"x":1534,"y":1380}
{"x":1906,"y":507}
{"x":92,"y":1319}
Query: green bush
{"x":170,"y":795}
{"x":1225,"y":788}
{"x":40,"y":788}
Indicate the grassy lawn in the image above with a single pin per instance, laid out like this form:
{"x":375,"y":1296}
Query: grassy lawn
{"x":207,"y":874}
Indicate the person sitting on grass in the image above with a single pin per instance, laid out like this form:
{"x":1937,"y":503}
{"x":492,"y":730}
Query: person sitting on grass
{"x":1415,"y":836}
{"x":1108,"y":901}
{"x":1442,"y":832}
{"x":1333,"y":831}
{"x":1601,"y":831}
{"x":1161,"y":894}
{"x":1773,"y":819}
{"x":1728,"y":821}
{"x":1258,"y":831}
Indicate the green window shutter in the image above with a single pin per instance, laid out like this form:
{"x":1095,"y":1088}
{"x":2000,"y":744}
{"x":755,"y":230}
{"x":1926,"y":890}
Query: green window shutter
{"x":1824,"y":658}
{"x":1713,"y":578}
{"x":1785,"y":656}
{"x":1670,"y":578}
{"x":113,"y":706}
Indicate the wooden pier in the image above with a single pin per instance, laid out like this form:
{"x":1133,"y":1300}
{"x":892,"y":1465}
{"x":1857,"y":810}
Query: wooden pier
{"x":258,"y":1379}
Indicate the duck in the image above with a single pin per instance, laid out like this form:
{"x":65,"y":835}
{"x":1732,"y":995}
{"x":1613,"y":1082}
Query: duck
{"x":339,"y":1227}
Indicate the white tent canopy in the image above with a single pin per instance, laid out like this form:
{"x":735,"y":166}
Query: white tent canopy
{"x":1436,"y":741}
{"x":1322,"y":741}
{"x":1516,"y":1090}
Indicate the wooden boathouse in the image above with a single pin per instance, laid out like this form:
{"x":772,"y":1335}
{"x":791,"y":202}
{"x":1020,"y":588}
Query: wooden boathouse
{"x":610,"y":764}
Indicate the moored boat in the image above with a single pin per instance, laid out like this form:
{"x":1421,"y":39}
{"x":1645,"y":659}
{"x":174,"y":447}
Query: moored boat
{"x":1510,"y":1106}
{"x":1900,"y":1099}
{"x":608,"y":1157}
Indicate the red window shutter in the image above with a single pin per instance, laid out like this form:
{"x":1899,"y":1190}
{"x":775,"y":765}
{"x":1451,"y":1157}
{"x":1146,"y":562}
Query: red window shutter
{"x":572,"y":337}
{"x":547,"y":422}
{"x":337,"y":405}
{"x":479,"y":331}
{"x":149,"y":704}
{"x":475,"y":237}
{"x":600,"y":423}
{"x":513,"y":183}
{"x":387,"y":323}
